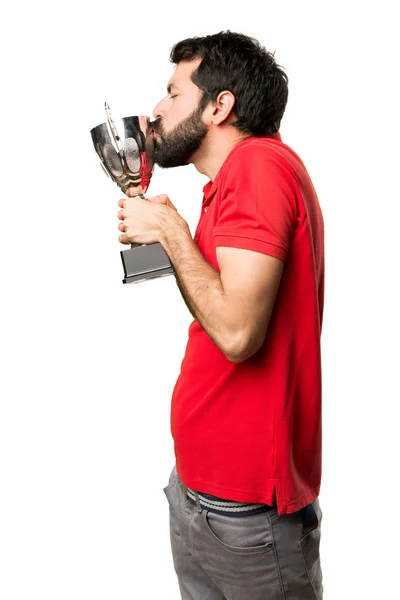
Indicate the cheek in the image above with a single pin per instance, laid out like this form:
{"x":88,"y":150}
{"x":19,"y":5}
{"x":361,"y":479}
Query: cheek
{"x":171,"y":120}
{"x":178,"y":111}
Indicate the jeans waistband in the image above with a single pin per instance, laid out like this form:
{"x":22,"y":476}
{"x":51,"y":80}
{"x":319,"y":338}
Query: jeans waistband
{"x":221,"y":506}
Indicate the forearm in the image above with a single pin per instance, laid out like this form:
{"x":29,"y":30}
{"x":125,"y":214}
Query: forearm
{"x":200,"y":285}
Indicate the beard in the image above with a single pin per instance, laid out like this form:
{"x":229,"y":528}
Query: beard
{"x":174,"y":149}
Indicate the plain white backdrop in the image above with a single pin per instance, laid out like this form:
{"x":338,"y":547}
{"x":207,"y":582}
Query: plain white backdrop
{"x":89,"y":364}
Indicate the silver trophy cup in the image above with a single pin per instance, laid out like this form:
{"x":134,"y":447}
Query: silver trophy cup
{"x":127,"y":157}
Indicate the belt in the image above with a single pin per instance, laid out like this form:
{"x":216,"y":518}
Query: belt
{"x":221,"y":506}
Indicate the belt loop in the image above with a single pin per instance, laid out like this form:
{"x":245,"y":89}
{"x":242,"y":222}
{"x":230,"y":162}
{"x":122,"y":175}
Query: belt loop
{"x":196,"y":494}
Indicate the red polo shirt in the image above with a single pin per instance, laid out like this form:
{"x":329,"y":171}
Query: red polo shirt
{"x":251,"y":431}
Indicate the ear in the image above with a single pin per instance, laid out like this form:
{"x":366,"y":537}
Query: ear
{"x":222,"y":108}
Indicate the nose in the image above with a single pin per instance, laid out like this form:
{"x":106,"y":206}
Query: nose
{"x":159,"y":112}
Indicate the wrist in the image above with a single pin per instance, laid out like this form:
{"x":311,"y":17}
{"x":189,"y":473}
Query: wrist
{"x":173,"y":227}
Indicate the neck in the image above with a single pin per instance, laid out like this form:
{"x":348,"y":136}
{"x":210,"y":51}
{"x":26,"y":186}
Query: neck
{"x":214,"y":150}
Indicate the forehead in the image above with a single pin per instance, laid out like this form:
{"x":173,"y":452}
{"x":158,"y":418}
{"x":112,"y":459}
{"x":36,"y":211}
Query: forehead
{"x":183,"y":72}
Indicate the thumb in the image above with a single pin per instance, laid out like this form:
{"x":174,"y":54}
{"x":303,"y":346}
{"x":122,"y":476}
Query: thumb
{"x":162,"y":199}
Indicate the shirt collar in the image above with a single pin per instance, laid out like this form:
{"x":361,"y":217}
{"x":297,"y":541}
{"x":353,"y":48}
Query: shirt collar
{"x":210,"y":189}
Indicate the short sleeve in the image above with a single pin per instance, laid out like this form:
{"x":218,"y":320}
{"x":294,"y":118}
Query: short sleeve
{"x":257,"y":208}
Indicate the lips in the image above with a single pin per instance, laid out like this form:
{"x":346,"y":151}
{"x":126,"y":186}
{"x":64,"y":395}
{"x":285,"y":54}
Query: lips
{"x":154,"y":127}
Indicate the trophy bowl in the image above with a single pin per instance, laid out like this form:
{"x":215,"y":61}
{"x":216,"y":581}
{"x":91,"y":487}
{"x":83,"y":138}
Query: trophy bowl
{"x":126,"y":156}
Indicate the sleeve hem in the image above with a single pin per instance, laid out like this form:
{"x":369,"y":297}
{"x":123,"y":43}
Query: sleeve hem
{"x":246,"y":243}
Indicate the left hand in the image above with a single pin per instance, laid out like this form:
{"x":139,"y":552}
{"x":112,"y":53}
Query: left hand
{"x":142,"y":220}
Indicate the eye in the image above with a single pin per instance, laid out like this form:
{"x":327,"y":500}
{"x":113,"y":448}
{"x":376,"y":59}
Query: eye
{"x":173,"y":95}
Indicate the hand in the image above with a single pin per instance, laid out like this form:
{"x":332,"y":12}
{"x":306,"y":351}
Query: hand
{"x":144,"y":220}
{"x":162,"y":199}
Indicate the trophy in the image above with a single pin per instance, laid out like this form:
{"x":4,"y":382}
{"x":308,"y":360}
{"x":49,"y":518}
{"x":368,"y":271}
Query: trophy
{"x":127,"y":157}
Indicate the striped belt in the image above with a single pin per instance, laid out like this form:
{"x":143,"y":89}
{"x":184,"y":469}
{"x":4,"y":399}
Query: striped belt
{"x":221,"y":506}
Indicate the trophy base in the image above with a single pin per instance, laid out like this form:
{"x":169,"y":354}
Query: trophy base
{"x":145,"y":262}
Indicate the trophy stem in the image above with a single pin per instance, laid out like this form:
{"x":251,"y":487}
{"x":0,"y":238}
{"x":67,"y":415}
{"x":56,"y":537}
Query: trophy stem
{"x":133,"y":245}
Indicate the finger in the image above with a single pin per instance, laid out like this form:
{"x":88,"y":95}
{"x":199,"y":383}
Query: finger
{"x":121,"y":227}
{"x":123,"y":239}
{"x":121,"y":203}
{"x":121,"y":215}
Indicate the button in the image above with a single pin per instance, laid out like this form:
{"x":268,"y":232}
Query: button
{"x":206,"y":209}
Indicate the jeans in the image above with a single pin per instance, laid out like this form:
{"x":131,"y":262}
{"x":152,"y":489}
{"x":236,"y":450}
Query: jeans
{"x":255,"y":557}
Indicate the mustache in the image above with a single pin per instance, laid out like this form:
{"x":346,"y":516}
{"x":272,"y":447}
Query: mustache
{"x":156,"y":126}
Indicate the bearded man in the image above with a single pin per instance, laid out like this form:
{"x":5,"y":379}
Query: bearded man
{"x":245,"y":517}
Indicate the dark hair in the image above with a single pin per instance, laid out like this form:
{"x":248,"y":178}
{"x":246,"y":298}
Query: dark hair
{"x":235,"y":62}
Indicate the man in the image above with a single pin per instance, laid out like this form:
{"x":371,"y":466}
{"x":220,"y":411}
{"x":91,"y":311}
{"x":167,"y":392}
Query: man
{"x":246,"y":409}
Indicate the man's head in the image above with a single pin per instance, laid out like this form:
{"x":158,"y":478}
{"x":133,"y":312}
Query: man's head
{"x":221,"y":80}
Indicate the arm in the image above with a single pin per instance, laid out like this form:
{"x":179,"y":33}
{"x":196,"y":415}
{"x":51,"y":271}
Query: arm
{"x":233,"y":306}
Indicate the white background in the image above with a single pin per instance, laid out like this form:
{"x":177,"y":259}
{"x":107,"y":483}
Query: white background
{"x":88,"y":364}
